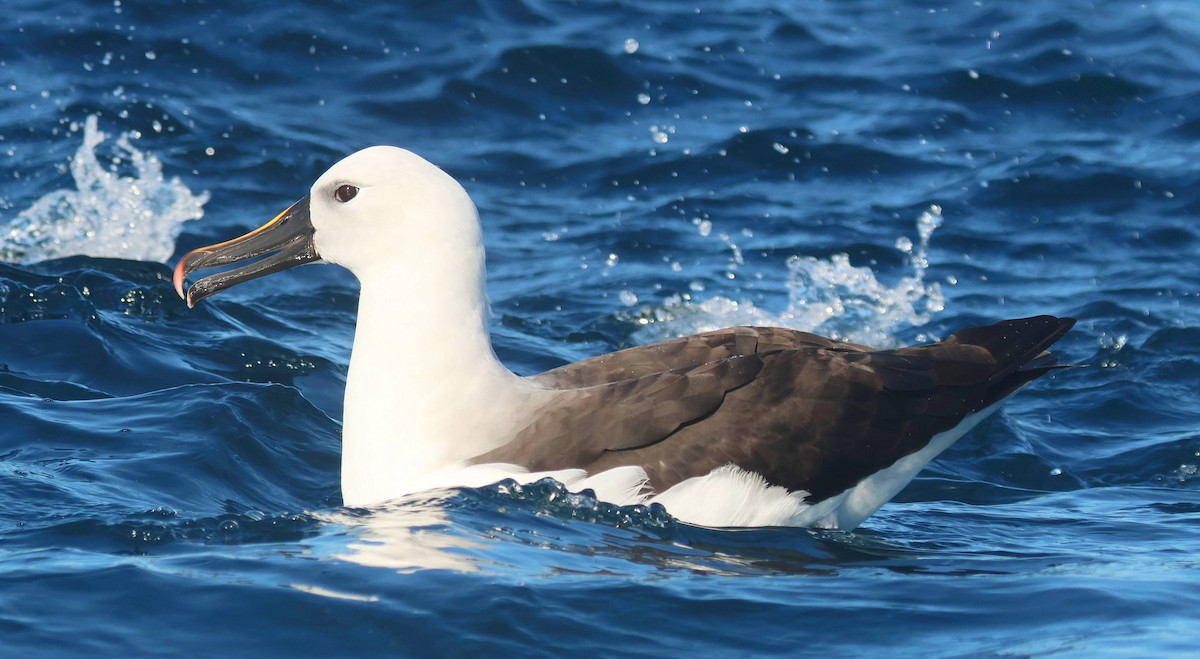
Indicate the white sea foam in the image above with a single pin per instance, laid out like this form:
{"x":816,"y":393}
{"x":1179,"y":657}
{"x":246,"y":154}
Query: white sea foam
{"x":108,"y":214}
{"x":827,"y":296}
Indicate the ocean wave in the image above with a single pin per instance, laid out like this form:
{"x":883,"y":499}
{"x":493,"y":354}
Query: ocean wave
{"x":190,"y":457}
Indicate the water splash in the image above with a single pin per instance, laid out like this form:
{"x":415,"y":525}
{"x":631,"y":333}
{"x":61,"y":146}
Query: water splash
{"x":134,"y":217}
{"x":829,"y":297}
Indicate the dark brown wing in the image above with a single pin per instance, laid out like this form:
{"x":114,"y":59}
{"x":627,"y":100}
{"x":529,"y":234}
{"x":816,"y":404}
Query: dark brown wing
{"x":804,"y":412}
{"x":582,"y":424}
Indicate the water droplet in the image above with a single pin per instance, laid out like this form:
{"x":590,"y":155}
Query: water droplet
{"x":631,"y":46}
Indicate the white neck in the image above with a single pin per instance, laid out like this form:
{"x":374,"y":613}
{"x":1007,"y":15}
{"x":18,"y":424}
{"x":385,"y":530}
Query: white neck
{"x":425,"y":392}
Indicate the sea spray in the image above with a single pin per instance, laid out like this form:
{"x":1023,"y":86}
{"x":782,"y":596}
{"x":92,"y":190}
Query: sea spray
{"x":826,"y":296}
{"x":137,"y":216}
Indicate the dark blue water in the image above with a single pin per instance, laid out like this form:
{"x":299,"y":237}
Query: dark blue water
{"x":169,"y":478}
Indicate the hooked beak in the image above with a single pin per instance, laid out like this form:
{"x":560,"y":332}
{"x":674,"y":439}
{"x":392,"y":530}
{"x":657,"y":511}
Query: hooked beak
{"x":287,"y":241}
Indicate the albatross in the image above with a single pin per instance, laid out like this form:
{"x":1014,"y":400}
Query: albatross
{"x":745,"y":426}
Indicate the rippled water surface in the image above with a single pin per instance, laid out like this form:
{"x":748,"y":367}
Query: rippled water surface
{"x":880,"y":171}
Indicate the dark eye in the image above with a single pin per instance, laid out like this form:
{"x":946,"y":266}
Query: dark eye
{"x":345,"y":193}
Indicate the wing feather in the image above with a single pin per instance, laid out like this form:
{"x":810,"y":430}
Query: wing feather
{"x":805,"y":412}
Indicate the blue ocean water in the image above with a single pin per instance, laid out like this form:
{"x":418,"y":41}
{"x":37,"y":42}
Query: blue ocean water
{"x":875,"y":170}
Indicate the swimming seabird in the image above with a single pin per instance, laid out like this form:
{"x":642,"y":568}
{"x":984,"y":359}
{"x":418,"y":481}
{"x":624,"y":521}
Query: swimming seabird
{"x":746,"y":426}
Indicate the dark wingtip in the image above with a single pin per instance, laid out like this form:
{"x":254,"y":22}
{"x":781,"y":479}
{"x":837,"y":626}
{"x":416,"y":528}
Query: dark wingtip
{"x":1015,"y":342}
{"x":1020,"y":349}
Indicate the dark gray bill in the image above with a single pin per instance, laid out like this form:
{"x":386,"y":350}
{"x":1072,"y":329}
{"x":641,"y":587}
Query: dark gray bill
{"x":286,"y":241}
